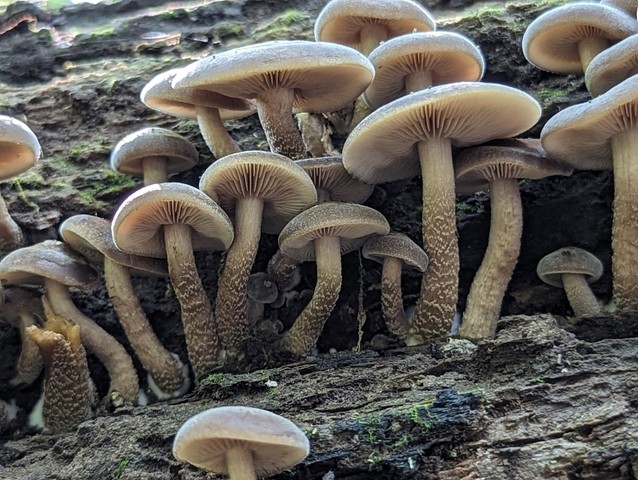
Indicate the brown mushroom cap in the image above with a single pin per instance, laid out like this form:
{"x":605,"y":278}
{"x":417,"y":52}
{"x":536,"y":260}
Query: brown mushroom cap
{"x":568,"y":260}
{"x":332,"y":179}
{"x":396,"y":245}
{"x":612,"y":66}
{"x":137,"y":224}
{"x":262,"y":288}
{"x":275,"y":444}
{"x":444,"y":57}
{"x":551,"y":42}
{"x":19,"y":147}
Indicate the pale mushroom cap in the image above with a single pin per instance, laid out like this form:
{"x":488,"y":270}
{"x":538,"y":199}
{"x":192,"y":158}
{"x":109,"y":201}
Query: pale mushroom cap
{"x":447,"y":57}
{"x":351,"y":222}
{"x":383,"y":147}
{"x":396,"y":245}
{"x":285,"y":188}
{"x":551,"y":41}
{"x":569,"y":260}
{"x":137,"y":224}
{"x":612,"y":66}
{"x":19,"y":147}
{"x":276,"y":443}
{"x":48,"y":259}
{"x":341,"y":21}
{"x":581,"y":134}
{"x":329,"y":174}
{"x":629,"y":6}
{"x":159,"y":95}
{"x":324,"y":76}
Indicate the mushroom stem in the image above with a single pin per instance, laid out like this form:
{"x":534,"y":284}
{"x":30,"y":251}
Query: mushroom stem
{"x":436,"y":306}
{"x":200,"y":331}
{"x":580,"y":296}
{"x":11,"y":235}
{"x":371,"y":37}
{"x":231,"y":305}
{"x":283,"y":267}
{"x":391,"y":298}
{"x":589,"y":47}
{"x":154,"y":169}
{"x":418,"y":80}
{"x":106,"y":348}
{"x":305,"y":331}
{"x":215,"y":135}
{"x":490,"y":282}
{"x":624,"y":243}
{"x":30,"y":363}
{"x":239,"y":462}
{"x":274,"y":108}
{"x":161,"y":365}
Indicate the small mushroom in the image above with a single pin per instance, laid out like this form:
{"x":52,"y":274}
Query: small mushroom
{"x":241,"y":442}
{"x":612,"y":66}
{"x":261,"y":290}
{"x":573,"y":269}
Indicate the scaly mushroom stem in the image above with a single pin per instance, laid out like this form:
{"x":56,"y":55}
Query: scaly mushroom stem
{"x":30,"y":362}
{"x":624,"y":241}
{"x":162,"y":366}
{"x":11,"y":235}
{"x":392,"y":298}
{"x":283,"y":267}
{"x":239,"y":462}
{"x":589,"y":47}
{"x":214,"y":133}
{"x":107,"y":349}
{"x":580,"y":296}
{"x":200,"y":329}
{"x":304,"y":333}
{"x":436,"y":306}
{"x":154,"y":169}
{"x":274,"y":108}
{"x":231,"y":306}
{"x":490,"y":282}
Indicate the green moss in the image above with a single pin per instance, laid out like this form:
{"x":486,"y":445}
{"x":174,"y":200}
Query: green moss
{"x":288,"y":25}
{"x":220,"y":379}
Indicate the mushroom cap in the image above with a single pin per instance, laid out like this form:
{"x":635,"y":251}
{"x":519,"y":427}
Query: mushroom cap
{"x":581,"y":134}
{"x":91,"y":236}
{"x":629,"y":6}
{"x":19,"y":147}
{"x":550,"y":42}
{"x":285,"y":188}
{"x":129,"y":153}
{"x":396,"y":245}
{"x":137,"y":223}
{"x":329,"y":174}
{"x":341,"y":21}
{"x":612,"y":66}
{"x":159,"y":95}
{"x":383,"y":147}
{"x":351,"y":222}
{"x":262,"y":288}
{"x":447,"y":56}
{"x":324,"y":76}
{"x":275,"y":442}
{"x":50,"y":259}
{"x":551,"y":267}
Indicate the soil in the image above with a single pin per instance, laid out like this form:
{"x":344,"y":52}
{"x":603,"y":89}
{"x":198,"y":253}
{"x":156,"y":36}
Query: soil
{"x":550,"y":397}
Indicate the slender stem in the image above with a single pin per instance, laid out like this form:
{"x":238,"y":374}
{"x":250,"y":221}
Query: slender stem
{"x":154,"y":169}
{"x":580,"y":296}
{"x":392,"y":298}
{"x":416,"y":81}
{"x":29,"y":364}
{"x":11,"y":235}
{"x":371,"y":37}
{"x":589,"y":47}
{"x":283,"y":267}
{"x":240,"y":465}
{"x":215,"y":135}
{"x":275,"y":115}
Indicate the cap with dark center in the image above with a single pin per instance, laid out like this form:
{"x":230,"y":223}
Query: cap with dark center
{"x":172,"y":220}
{"x":91,"y":236}
{"x":261,"y":289}
{"x":573,"y":269}
{"x":282,"y":77}
{"x":501,"y":164}
{"x":241,"y":442}
{"x":603,"y":134}
{"x":566,"y":38}
{"x":53,"y":264}
{"x":395,"y":251}
{"x":323,"y":233}
{"x":209,"y":108}
{"x":261,"y":191}
{"x":365,"y":24}
{"x":612,"y":66}
{"x":415,"y":134}
{"x":154,"y":153}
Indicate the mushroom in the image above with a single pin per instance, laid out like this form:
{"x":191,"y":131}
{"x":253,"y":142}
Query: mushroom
{"x":68,"y":391}
{"x":91,"y":236}
{"x":19,"y":150}
{"x":415,"y":134}
{"x":573,"y":269}
{"x":155,"y":153}
{"x":628,"y":6}
{"x":612,"y":66}
{"x":261,"y":289}
{"x":565,"y":39}
{"x":172,"y":220}
{"x":395,"y":251}
{"x":280,"y":78}
{"x":323,"y":233}
{"x":209,"y":108}
{"x":500,"y":164}
{"x":598,"y":135}
{"x":54,"y":265}
{"x":260,"y":191}
{"x":241,"y":442}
